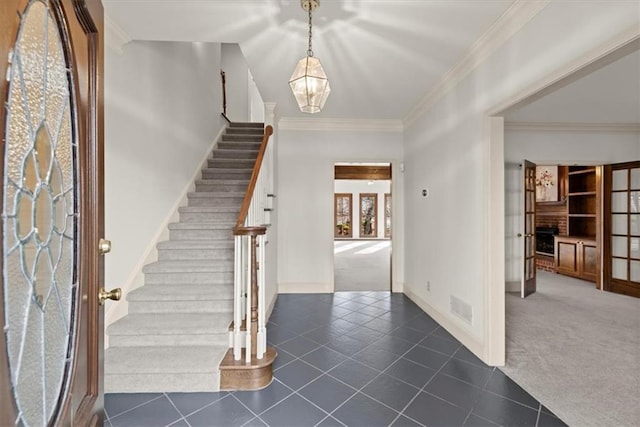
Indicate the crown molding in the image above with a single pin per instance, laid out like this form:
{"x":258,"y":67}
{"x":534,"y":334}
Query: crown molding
{"x":511,"y":21}
{"x":572,"y":127}
{"x":329,"y":124}
{"x":115,"y":37}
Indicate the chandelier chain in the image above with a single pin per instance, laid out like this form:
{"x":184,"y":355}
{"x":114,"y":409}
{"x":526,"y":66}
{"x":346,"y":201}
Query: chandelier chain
{"x":310,"y":50}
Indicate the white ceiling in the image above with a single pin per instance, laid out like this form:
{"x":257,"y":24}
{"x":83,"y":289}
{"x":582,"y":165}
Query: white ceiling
{"x":381,"y":56}
{"x":606,"y":96}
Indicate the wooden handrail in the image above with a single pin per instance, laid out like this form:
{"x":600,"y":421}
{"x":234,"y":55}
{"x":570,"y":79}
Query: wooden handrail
{"x":244,"y":209}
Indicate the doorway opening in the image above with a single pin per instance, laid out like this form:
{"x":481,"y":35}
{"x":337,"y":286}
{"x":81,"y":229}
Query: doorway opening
{"x":362,"y":227}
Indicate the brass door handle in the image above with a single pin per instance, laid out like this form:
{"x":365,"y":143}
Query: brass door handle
{"x":104,"y":246}
{"x":114,"y":294}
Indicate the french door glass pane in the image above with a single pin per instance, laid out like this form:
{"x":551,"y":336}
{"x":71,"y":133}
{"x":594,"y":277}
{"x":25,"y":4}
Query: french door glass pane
{"x":635,"y":271}
{"x":635,"y":179}
{"x":619,"y":246}
{"x":635,"y":247}
{"x":634,"y":202}
{"x":619,"y":224}
{"x":530,"y":269}
{"x":619,"y":180}
{"x":635,"y":224}
{"x":619,"y":268}
{"x":619,"y":202}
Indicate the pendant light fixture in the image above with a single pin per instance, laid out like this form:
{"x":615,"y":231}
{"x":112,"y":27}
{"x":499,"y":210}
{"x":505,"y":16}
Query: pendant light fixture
{"x":309,"y":82}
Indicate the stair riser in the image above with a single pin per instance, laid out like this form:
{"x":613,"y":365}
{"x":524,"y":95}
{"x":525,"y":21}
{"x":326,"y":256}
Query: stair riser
{"x":235,"y":154}
{"x":162,"y":382}
{"x":168,"y":340}
{"x":243,"y":138}
{"x":208,"y":216}
{"x":216,"y":201}
{"x":206,"y":306}
{"x":211,"y":278}
{"x":244,"y":131}
{"x":200,"y":234}
{"x":229,"y":174}
{"x":238,"y":145}
{"x":231,"y":163}
{"x":221,"y":187}
{"x":214,"y":255}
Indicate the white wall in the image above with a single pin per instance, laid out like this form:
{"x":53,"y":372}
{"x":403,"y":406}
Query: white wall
{"x":256,"y":104}
{"x":236,"y":72}
{"x":162,"y":113}
{"x":305,"y":201}
{"x":446,"y":150}
{"x":555,"y":148}
{"x":355,"y":188}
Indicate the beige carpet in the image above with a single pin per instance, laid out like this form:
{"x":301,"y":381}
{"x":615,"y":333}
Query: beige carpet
{"x":362,"y":265}
{"x":577,"y":350}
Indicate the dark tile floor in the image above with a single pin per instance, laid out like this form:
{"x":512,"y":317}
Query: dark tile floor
{"x":351,"y":359}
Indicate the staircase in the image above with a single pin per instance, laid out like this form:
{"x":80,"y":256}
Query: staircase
{"x":177,"y":329}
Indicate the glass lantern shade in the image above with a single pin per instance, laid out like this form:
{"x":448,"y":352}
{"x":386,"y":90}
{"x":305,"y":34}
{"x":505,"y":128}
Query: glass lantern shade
{"x":310,"y":85}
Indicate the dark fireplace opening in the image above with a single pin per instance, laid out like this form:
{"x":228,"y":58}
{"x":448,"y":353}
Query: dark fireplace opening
{"x":544,"y":240}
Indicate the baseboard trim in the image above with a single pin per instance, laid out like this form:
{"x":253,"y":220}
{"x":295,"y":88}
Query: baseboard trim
{"x":512,"y":287}
{"x":305,"y":288}
{"x":467,"y":339}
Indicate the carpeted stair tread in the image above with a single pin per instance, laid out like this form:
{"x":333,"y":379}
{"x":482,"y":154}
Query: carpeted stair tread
{"x":172,"y":324}
{"x":247,"y":125}
{"x":248,"y":138}
{"x":182,"y":293}
{"x":164,"y":359}
{"x":209,"y":209}
{"x":212,"y":225}
{"x":233,"y":171}
{"x":216,"y":194}
{"x":244,"y":131}
{"x":196,"y":244}
{"x":222,"y":181}
{"x":199,"y":266}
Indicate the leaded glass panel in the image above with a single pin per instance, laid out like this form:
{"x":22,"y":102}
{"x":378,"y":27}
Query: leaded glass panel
{"x":39,"y":216}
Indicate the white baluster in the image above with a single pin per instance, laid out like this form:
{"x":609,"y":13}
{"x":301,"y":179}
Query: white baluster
{"x":247,"y":345}
{"x":237,"y":301}
{"x":262,"y":330}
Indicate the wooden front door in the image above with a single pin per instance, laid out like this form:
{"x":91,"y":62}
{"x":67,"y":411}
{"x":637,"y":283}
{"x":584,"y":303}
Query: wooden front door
{"x":51,"y":121}
{"x":622,"y":228}
{"x":528,"y":283}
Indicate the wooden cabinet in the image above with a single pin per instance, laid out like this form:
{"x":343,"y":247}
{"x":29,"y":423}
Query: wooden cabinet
{"x":578,"y":257}
{"x":578,"y":253}
{"x":583,"y":184}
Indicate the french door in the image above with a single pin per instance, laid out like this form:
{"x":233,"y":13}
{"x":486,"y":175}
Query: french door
{"x":51,"y":119}
{"x":528,"y":235}
{"x":622,"y":228}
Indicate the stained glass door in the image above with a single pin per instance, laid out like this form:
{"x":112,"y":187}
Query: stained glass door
{"x":51,"y":212}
